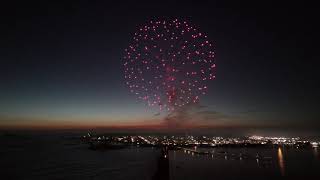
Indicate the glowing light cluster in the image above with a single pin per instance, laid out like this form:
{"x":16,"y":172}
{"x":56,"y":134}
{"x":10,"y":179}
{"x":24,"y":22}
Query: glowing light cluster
{"x":168,"y":64}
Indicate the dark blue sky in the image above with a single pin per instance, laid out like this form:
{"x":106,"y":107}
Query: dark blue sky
{"x":62,"y":62}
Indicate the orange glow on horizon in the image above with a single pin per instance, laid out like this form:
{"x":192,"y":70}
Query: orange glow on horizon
{"x":101,"y":123}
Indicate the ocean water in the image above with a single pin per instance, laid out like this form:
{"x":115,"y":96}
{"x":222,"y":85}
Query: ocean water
{"x":48,"y":156}
{"x":56,"y":157}
{"x":225,"y":163}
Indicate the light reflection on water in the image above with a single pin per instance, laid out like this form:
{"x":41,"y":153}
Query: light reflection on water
{"x":281,"y":161}
{"x":315,"y":152}
{"x":273,"y":162}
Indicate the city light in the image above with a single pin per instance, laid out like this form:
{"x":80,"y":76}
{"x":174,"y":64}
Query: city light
{"x":201,"y":141}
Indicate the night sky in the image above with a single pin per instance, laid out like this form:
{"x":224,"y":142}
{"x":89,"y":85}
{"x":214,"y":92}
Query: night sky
{"x":62,"y":64}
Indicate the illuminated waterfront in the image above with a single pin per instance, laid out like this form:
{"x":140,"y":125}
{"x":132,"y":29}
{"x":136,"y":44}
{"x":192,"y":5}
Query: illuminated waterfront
{"x":251,"y":156}
{"x":142,"y":157}
{"x":202,"y":141}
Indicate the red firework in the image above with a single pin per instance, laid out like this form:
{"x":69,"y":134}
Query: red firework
{"x":169,"y":63}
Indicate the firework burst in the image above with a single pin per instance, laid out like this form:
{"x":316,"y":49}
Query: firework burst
{"x":168,"y":64}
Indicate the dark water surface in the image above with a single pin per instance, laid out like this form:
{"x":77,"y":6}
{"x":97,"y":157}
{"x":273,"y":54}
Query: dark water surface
{"x":60,"y":157}
{"x":251,"y":163}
